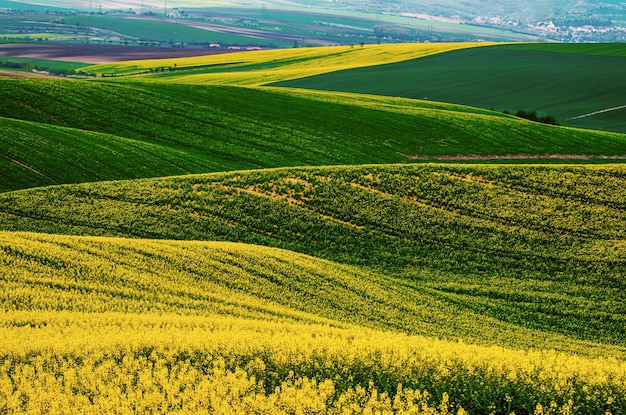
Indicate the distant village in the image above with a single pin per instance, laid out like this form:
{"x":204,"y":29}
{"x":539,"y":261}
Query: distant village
{"x":575,"y":31}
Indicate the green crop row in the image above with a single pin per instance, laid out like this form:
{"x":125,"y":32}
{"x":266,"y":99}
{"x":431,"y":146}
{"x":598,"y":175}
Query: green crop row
{"x":35,"y":154}
{"x":206,"y":128}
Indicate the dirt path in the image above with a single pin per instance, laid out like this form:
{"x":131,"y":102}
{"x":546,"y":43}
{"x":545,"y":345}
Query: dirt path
{"x":23,"y":74}
{"x":597,"y":112}
{"x":520,"y":156}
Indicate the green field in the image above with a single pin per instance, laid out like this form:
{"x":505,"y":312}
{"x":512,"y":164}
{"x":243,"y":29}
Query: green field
{"x":566,"y":81}
{"x":54,"y":66}
{"x":149,"y":31}
{"x":175,"y":128}
{"x":32,"y":153}
{"x":194,"y":240}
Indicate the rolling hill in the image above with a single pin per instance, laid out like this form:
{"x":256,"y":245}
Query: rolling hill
{"x":459,"y":230}
{"x":581,"y":85}
{"x":32,"y":153}
{"x":188,"y":121}
{"x":506,"y":264}
{"x":113,"y":325}
{"x":317,"y":261}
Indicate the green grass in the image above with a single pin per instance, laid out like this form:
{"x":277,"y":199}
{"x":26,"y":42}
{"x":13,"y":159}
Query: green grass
{"x":562,"y":80}
{"x":536,"y":247}
{"x":197,"y":129}
{"x":34,"y":154}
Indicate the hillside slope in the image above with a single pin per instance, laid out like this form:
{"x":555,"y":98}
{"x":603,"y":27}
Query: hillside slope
{"x":177,"y":128}
{"x":36,"y":154}
{"x":134,"y":276}
{"x":575,"y":83}
{"x":113,"y":325}
{"x":538,"y":247}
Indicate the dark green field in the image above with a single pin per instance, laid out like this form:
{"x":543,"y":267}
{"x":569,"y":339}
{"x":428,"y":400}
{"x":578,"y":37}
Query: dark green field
{"x":566,"y":81}
{"x":175,"y":129}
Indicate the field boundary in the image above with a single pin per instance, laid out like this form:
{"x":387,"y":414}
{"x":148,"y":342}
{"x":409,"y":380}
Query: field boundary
{"x":521,"y":156}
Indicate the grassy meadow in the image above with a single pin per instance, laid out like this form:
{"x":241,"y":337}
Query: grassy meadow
{"x":195,"y":240}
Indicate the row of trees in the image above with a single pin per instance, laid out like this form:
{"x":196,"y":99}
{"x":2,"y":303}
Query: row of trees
{"x":28,"y":67}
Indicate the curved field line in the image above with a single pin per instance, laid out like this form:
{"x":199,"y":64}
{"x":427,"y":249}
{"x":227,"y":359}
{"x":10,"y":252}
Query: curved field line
{"x":597,"y":112}
{"x":26,"y":166}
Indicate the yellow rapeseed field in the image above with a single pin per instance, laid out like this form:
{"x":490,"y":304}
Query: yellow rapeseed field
{"x":253,"y":68}
{"x":65,"y":362}
{"x":121,"y":342}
